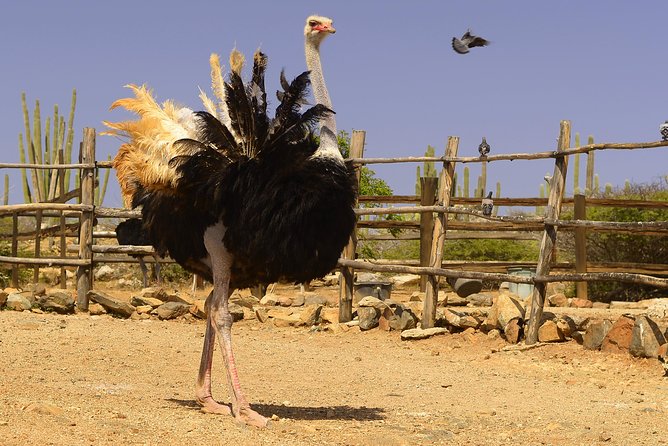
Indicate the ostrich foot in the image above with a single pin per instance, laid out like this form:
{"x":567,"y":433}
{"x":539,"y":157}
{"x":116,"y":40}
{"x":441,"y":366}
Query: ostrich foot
{"x":209,"y":405}
{"x":248,"y":416}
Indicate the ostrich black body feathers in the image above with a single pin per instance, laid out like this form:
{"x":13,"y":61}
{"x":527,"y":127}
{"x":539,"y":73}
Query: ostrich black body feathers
{"x":287,"y":210}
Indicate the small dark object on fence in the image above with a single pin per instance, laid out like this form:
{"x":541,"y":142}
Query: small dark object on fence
{"x":664,"y":131}
{"x":487,"y":205}
{"x":484,"y":148}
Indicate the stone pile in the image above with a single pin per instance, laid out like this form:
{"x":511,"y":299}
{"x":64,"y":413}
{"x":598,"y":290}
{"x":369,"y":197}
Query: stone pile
{"x":37,"y":298}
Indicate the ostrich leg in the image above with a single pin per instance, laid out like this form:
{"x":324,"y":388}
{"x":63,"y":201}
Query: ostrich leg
{"x":203,"y":386}
{"x":220,"y":320}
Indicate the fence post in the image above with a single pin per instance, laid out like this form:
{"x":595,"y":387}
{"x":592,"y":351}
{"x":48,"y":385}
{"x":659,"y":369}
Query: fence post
{"x":85,"y":273}
{"x":428,"y":186}
{"x":580,"y":213}
{"x":346,"y":277}
{"x":63,"y":227}
{"x":549,"y":234}
{"x":15,"y":248}
{"x":436,"y":259}
{"x":38,"y":244}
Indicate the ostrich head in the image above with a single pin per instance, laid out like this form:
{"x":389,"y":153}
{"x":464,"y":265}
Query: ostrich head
{"x":317,"y":28}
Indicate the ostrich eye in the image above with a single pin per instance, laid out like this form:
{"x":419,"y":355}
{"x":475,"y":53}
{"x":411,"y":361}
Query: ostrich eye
{"x":313,"y":23}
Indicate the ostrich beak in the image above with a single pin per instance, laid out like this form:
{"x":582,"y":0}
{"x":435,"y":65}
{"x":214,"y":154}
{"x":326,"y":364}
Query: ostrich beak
{"x":325,"y":28}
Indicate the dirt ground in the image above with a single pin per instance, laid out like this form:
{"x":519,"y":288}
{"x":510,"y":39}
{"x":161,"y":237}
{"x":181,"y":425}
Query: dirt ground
{"x":95,"y":380}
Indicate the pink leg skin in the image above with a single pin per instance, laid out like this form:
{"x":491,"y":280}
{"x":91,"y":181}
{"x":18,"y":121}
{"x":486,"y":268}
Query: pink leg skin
{"x":220,"y":322}
{"x":203,"y":386}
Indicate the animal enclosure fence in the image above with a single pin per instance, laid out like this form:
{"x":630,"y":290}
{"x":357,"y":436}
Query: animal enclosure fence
{"x":435,"y":224}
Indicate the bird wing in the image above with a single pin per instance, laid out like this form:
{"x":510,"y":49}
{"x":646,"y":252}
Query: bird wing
{"x":459,"y":46}
{"x":477,"y":41}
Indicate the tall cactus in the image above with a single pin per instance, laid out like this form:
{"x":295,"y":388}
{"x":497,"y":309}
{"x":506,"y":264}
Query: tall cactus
{"x":589,"y":181}
{"x":596,"y":184}
{"x":576,"y":167}
{"x":5,"y":197}
{"x":495,"y":210}
{"x":466,"y":182}
{"x":44,"y":181}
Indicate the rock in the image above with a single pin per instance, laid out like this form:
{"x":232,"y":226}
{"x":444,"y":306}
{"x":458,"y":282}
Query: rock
{"x":387,"y":316}
{"x":269,"y":299}
{"x":580,"y":303}
{"x":506,"y":307}
{"x":284,"y":320}
{"x":601,"y":305}
{"x":236,"y":311}
{"x":314,"y":299}
{"x":245,"y":300}
{"x":657,"y":309}
{"x":480,"y":300}
{"x":619,"y":337}
{"x":417,"y":296}
{"x":180,"y":298}
{"x":105,"y":272}
{"x":549,"y":332}
{"x":555,"y":288}
{"x":368,"y":277}
{"x":422,"y":333}
{"x":368,"y":317}
{"x":494,"y":334}
{"x":452,"y":318}
{"x":58,"y":302}
{"x":662,"y":356}
{"x":95,"y":309}
{"x":405,"y":280}
{"x":44,"y":409}
{"x":299,"y":300}
{"x":558,"y":300}
{"x":621,"y":305}
{"x":198,"y":309}
{"x":143,"y":309}
{"x":329,"y":315}
{"x":172,"y":310}
{"x":331,"y":279}
{"x":513,"y":330}
{"x":3,"y":297}
{"x":261,"y":314}
{"x":646,"y":338}
{"x":595,"y":333}
{"x":37,"y":289}
{"x":285,"y":301}
{"x":415,"y":308}
{"x":310,"y":315}
{"x":138,"y":301}
{"x":407,"y":321}
{"x":17,"y":302}
{"x":154,"y":293}
{"x":370,"y":301}
{"x":451,"y":300}
{"x":111,"y":304}
{"x":566,"y":325}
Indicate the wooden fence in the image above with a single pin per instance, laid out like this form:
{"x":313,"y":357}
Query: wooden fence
{"x":435,"y":206}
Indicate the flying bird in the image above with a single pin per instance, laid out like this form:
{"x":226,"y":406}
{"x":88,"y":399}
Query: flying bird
{"x":467,"y":41}
{"x":483,"y":148}
{"x":487,"y":205}
{"x":131,"y":232}
{"x":240,"y":197}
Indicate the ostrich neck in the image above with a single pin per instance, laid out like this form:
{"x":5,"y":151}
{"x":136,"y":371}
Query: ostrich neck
{"x":328,"y":142}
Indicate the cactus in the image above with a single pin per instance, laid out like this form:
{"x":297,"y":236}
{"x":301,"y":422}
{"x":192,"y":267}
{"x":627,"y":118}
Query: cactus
{"x":596,"y":184}
{"x":541,"y":194}
{"x":589,"y":181}
{"x":44,"y":181}
{"x":418,"y":185}
{"x":576,"y":167}
{"x":495,"y":211}
{"x":466,"y":182}
{"x":101,"y":191}
{"x":453,"y":188}
{"x":5,"y":198}
{"x":608,"y":189}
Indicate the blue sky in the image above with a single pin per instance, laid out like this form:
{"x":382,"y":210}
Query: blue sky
{"x":389,"y":68}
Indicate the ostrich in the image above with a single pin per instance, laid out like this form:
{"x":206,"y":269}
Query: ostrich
{"x":241,"y":199}
{"x":130,"y":232}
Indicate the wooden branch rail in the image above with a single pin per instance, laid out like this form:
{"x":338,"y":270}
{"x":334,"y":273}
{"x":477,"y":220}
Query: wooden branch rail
{"x":31,"y":207}
{"x":47,"y":166}
{"x":532,"y":202}
{"x":117,"y":213}
{"x":514,"y":156}
{"x":457,"y":273}
{"x":43,"y":261}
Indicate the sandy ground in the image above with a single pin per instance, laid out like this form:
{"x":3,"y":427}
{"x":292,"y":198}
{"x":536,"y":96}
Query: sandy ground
{"x":82,"y":380}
